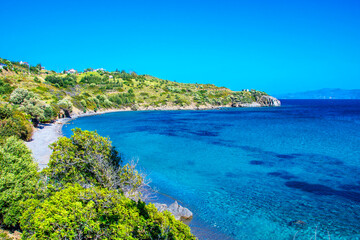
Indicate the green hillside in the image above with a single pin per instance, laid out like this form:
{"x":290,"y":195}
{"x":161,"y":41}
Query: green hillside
{"x":99,"y":90}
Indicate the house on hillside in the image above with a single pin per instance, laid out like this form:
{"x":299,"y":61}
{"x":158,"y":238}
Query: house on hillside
{"x":111,"y":77}
{"x":42,"y":68}
{"x":24,"y":63}
{"x":2,"y":65}
{"x":99,"y":69}
{"x":71,"y":71}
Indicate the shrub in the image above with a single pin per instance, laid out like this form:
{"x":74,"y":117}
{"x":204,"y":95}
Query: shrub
{"x":37,"y":80}
{"x":122,"y":98}
{"x":13,"y":123}
{"x":18,"y":178}
{"x":66,"y":106}
{"x":58,"y":81}
{"x":83,"y":103}
{"x":19,"y":95}
{"x":5,"y":88}
{"x":79,"y":213}
{"x":91,"y":78}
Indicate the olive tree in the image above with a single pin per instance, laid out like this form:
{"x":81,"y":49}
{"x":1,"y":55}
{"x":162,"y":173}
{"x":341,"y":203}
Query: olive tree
{"x":91,"y":160}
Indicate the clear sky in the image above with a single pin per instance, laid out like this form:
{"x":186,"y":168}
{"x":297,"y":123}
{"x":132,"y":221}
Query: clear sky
{"x":275,"y":46}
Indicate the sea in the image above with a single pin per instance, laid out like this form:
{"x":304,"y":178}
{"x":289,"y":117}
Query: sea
{"x":289,"y":172}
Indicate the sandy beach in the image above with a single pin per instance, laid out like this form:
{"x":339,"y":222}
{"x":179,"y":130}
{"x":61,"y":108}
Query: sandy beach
{"x":43,"y":136}
{"x":46,"y":134}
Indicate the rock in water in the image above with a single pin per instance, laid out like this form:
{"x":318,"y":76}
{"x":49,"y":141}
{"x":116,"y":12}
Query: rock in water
{"x":179,"y":212}
{"x":269,"y":101}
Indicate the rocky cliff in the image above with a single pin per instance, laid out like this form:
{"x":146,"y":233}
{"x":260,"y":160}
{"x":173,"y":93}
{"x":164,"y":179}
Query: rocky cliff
{"x":264,"y":101}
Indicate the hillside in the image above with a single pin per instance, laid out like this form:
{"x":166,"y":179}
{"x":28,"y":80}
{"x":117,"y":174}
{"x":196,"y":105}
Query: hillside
{"x":46,"y":95}
{"x":325,"y":93}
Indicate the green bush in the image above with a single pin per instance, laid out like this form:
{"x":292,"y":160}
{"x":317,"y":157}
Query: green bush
{"x":66,"y":106}
{"x":95,"y":79}
{"x":90,"y":160}
{"x":19,"y":95}
{"x":58,"y":81}
{"x":18,"y":178}
{"x":122,"y":98}
{"x":5,"y":87}
{"x":32,"y":105}
{"x":14,"y":123}
{"x":96,"y":213}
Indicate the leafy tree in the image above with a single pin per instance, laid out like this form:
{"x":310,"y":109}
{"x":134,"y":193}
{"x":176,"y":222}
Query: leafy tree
{"x":90,"y":160}
{"x":32,"y":105}
{"x":66,"y":106}
{"x":19,"y":95}
{"x":18,"y":178}
{"x":97,"y":213}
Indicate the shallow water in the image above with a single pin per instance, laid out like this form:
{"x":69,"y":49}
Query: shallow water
{"x":251,"y":173}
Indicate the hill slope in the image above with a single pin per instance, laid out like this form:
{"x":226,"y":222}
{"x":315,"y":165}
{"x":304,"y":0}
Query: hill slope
{"x":58,"y":94}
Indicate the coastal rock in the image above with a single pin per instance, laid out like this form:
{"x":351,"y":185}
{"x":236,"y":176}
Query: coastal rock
{"x":179,"y":212}
{"x":264,"y":101}
{"x":269,"y":101}
{"x":253,"y":104}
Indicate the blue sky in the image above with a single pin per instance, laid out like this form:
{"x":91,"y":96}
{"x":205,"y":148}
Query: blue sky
{"x":275,"y":46}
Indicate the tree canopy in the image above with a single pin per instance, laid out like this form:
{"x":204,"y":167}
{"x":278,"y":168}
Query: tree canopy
{"x":18,"y":179}
{"x":97,"y":213}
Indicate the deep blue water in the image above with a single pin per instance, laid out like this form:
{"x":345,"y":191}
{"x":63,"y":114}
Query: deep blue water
{"x":249,"y":173}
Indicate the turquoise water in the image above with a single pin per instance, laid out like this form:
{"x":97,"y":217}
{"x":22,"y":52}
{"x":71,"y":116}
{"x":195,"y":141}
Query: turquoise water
{"x":250,"y":173}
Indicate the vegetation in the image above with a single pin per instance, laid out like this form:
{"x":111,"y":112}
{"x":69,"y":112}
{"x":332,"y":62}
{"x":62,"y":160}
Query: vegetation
{"x":50,"y":94}
{"x":13,"y":123}
{"x":90,"y":160}
{"x":84,"y":193}
{"x":97,"y":213}
{"x":18,"y":179}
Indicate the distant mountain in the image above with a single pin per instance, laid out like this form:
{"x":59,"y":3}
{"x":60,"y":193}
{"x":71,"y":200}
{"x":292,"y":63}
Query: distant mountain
{"x":325,"y":93}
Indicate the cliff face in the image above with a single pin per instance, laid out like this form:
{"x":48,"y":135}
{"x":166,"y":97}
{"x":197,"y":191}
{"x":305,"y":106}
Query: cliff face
{"x":269,"y":101}
{"x":264,"y":101}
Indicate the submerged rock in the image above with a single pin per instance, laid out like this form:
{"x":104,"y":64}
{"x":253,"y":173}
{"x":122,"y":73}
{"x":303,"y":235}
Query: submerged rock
{"x":179,"y":212}
{"x":297,"y":223}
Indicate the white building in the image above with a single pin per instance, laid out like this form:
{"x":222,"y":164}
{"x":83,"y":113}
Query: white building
{"x":24,"y":63}
{"x":98,"y":69}
{"x":71,"y":71}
